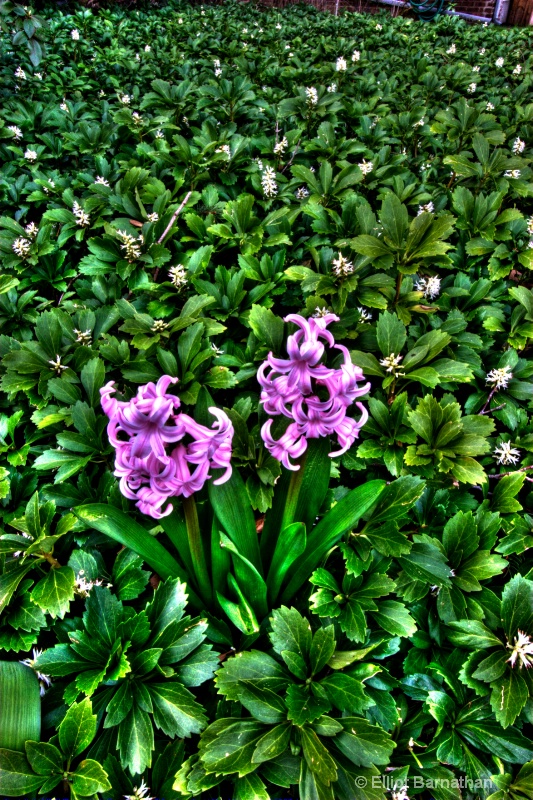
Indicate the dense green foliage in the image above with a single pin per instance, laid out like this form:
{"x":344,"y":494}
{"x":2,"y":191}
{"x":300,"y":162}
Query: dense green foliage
{"x":394,"y":189}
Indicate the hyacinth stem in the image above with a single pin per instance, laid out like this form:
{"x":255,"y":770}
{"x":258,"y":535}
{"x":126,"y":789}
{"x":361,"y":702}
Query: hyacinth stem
{"x":293,"y":494}
{"x":196,"y":547}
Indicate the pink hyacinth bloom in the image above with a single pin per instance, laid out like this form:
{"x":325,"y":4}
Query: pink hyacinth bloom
{"x":156,"y":446}
{"x":313,"y":396}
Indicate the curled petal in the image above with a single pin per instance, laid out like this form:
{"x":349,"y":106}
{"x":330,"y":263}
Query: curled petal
{"x":348,"y":431}
{"x":150,"y":502}
{"x":291,"y":445}
{"x":109,"y":403}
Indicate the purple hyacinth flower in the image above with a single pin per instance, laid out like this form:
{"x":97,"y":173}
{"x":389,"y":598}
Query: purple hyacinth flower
{"x":156,"y":445}
{"x":313,"y":396}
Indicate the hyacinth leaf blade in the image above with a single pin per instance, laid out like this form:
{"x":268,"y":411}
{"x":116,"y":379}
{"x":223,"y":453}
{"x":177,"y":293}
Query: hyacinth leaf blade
{"x":342,"y":517}
{"x":290,"y":547}
{"x":220,"y":559}
{"x":298,"y":495}
{"x":241,"y":614}
{"x":231,"y":505}
{"x":247,"y":577}
{"x":175,"y":528}
{"x":119,"y":526}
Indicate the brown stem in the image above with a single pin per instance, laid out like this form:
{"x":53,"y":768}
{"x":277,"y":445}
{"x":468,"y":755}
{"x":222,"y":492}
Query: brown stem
{"x":398,"y":287}
{"x":512,"y":472}
{"x":51,"y":560}
{"x":175,"y":215}
{"x":490,"y":410}
{"x":69,"y":284}
{"x":489,"y":398}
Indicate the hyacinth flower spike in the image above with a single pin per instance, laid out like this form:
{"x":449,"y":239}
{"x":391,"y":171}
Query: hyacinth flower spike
{"x":162,"y":453}
{"x":315,"y":398}
{"x":295,"y":387}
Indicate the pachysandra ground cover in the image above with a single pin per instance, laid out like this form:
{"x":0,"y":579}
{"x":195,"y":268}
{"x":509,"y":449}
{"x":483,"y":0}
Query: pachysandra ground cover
{"x":266,"y":317}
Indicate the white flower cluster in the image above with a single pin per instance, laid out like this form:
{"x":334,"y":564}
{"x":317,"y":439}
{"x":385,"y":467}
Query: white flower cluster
{"x":82,"y":218}
{"x":125,"y":99}
{"x":137,"y":118}
{"x":499,"y":378}
{"x":268,"y":182}
{"x":505,"y":454}
{"x":332,"y":88}
{"x":341,"y":65}
{"x":427,"y":207}
{"x":472,"y":88}
{"x":341,"y":266}
{"x":131,"y":245}
{"x":139,"y":793}
{"x":365,"y":166}
{"x":281,"y":146}
{"x":429,"y":286}
{"x":19,"y":73}
{"x":153,"y":217}
{"x":518,"y":146}
{"x":530,"y":231}
{"x":30,"y":155}
{"x":475,"y":69}
{"x":364,"y":315}
{"x":302,"y":193}
{"x":512,"y":173}
{"x":418,"y":124}
{"x":451,"y":50}
{"x":75,"y":34}
{"x":489,"y":107}
{"x":21,"y":247}
{"x":400,"y":793}
{"x":31,"y":230}
{"x":312,"y":96}
{"x":499,"y":62}
{"x":101,"y":181}
{"x":356,"y":55}
{"x":159,"y":326}
{"x":392,"y":365}
{"x":15,"y":130}
{"x":521,"y":650}
{"x":159,"y":134}
{"x":83,"y":337}
{"x":482,"y":51}
{"x":84,"y":586}
{"x":178,"y":276}
{"x":517,"y":70}
{"x":224,"y":148}
{"x":57,"y":366}
{"x":63,"y":106}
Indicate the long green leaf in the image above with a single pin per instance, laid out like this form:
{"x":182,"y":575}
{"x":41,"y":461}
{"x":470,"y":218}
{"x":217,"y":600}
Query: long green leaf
{"x":232,"y":506}
{"x":116,"y":524}
{"x":342,"y":518}
{"x":20,"y":705}
{"x":176,"y":529}
{"x":298,"y":495}
{"x":290,"y":546}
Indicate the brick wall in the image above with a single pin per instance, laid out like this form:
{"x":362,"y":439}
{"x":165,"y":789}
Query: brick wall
{"x":480,"y":8}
